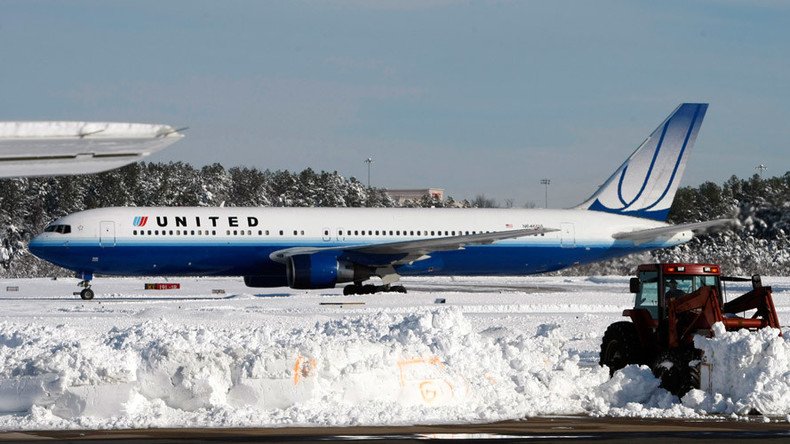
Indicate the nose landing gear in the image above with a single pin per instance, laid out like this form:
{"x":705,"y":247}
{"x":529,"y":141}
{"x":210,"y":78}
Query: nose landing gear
{"x":86,"y":293}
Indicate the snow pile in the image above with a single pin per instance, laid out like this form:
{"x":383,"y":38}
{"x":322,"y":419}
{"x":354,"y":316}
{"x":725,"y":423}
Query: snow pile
{"x":377,"y":369}
{"x":750,"y":371}
{"x":427,"y":367}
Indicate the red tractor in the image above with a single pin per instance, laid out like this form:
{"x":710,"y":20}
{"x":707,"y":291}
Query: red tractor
{"x":675,"y":302}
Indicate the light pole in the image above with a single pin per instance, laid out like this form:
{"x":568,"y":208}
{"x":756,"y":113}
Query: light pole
{"x":546,"y":182}
{"x":761,"y":169}
{"x":369,"y":161}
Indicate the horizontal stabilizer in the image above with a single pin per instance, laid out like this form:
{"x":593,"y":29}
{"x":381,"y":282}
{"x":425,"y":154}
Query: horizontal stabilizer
{"x":651,"y":234}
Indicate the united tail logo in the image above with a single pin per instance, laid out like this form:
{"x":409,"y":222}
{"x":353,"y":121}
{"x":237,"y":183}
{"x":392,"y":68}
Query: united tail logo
{"x":140,"y":221}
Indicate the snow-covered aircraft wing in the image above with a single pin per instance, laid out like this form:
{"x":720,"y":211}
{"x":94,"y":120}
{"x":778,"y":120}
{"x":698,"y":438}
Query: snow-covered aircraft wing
{"x":396,"y":253}
{"x":648,"y":235}
{"x":69,"y":148}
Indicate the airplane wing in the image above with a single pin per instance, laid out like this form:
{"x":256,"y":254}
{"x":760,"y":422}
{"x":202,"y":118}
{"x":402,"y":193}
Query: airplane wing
{"x":30,"y":149}
{"x":650,"y":234}
{"x":402,"y":252}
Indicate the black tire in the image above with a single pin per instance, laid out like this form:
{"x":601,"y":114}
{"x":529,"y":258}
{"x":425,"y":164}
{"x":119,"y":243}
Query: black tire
{"x":368,"y":289}
{"x":350,"y":290}
{"x":398,"y":289}
{"x":621,"y":346}
{"x":673,"y":368}
{"x":86,"y":294}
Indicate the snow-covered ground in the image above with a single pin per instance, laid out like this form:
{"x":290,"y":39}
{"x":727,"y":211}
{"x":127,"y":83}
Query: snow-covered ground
{"x":497,"y":348}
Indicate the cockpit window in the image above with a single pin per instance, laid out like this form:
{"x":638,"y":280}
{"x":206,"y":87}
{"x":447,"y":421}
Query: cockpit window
{"x":62,"y":229}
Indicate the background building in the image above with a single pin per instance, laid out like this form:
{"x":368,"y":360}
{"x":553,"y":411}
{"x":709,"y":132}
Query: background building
{"x":402,"y":195}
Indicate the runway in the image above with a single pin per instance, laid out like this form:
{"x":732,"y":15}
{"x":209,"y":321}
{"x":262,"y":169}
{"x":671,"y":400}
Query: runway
{"x":573,"y":428}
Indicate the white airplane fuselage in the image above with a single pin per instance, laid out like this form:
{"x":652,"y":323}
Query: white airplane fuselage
{"x":238,"y":241}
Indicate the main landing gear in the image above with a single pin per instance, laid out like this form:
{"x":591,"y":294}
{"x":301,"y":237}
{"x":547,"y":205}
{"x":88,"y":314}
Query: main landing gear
{"x":86,"y":293}
{"x":358,"y":288}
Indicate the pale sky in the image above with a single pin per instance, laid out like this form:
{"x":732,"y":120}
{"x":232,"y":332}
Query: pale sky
{"x":473,"y":97}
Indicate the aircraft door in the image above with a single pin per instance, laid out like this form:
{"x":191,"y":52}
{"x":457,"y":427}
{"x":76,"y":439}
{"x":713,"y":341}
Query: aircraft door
{"x":106,"y":233}
{"x":567,"y":235}
{"x":341,"y":234}
{"x":327,"y":234}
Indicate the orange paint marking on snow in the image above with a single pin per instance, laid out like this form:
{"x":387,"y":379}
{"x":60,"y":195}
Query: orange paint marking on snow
{"x":303,"y":368}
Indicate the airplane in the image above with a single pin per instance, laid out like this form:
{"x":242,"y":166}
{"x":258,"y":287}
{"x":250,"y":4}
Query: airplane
{"x":29,"y":149}
{"x":317,"y":248}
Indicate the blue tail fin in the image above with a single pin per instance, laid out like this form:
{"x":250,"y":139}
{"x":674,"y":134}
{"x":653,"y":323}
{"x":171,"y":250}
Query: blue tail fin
{"x":645,"y":184}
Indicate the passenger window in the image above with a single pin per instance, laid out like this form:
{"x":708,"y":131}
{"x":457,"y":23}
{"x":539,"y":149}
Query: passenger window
{"x":134,"y":232}
{"x":281,"y":232}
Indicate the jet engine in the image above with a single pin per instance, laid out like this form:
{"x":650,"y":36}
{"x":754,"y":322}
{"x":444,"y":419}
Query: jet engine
{"x":322,"y":270}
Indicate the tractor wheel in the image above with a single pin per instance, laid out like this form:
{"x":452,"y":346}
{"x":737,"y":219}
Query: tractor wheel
{"x":621,"y":346}
{"x":675,"y":372}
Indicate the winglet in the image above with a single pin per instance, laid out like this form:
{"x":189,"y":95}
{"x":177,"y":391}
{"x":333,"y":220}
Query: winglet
{"x":645,"y":184}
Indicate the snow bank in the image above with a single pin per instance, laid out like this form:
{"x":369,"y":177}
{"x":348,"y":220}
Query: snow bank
{"x":750,"y":371}
{"x":426,"y":367}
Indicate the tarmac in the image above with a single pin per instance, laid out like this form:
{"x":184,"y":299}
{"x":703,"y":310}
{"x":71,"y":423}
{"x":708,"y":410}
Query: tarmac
{"x":571,"y":428}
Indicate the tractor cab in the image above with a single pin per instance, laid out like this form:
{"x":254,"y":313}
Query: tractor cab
{"x":656,"y":284}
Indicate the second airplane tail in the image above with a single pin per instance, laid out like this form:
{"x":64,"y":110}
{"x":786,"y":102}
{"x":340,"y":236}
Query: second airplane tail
{"x":645,"y":184}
